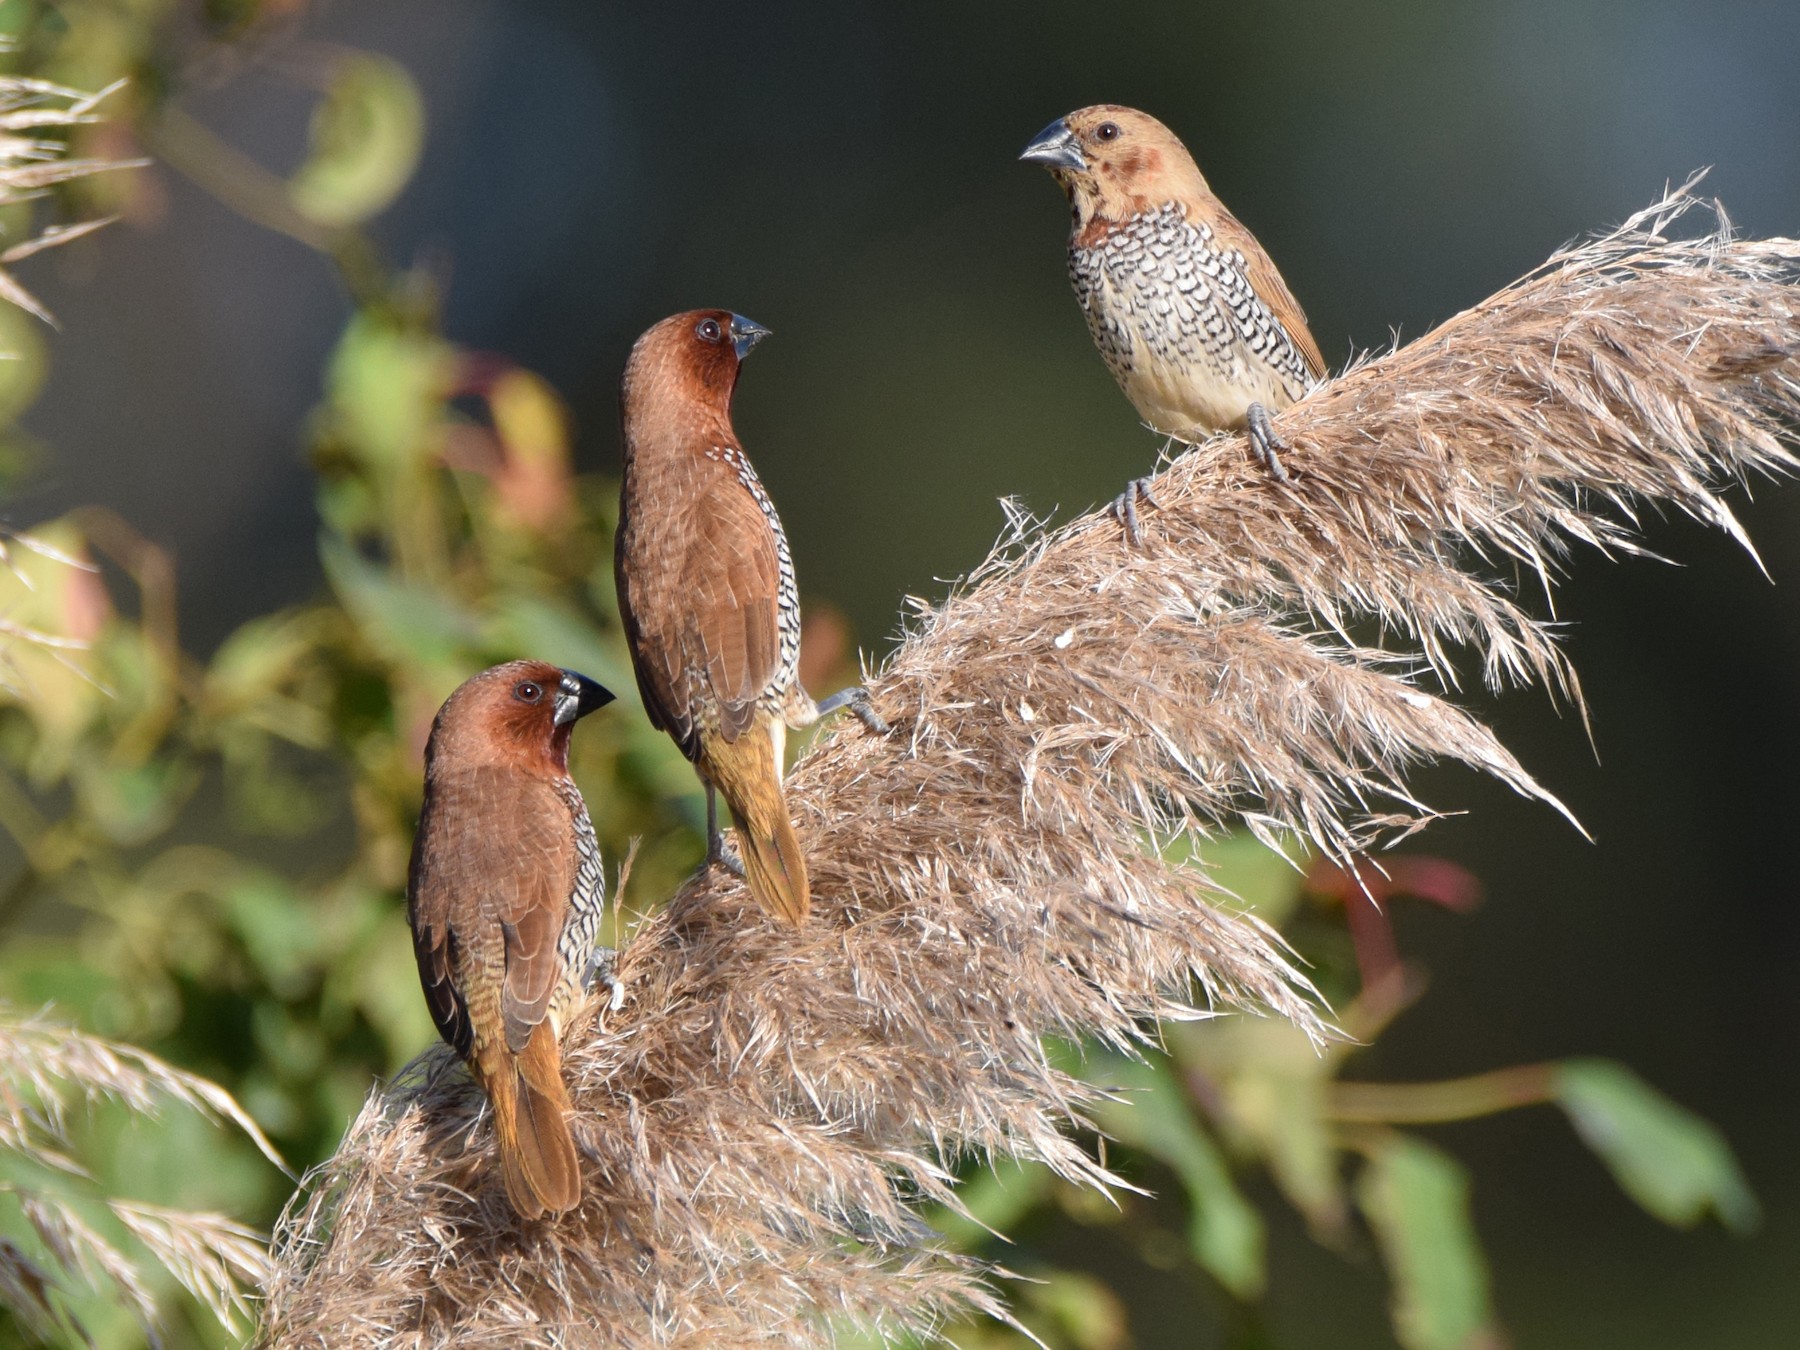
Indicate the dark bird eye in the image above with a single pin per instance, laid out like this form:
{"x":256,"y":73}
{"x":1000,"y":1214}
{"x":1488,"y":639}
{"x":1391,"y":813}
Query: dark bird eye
{"x":1107,"y":131}
{"x":528,"y":691}
{"x":708,"y":330}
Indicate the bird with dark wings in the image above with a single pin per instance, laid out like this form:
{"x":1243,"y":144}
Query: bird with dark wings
{"x":707,"y":592}
{"x":505,"y":895}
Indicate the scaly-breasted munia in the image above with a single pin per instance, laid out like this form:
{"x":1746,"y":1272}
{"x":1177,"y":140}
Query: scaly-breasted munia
{"x":706,"y":588}
{"x":505,"y":896}
{"x":1190,"y":314}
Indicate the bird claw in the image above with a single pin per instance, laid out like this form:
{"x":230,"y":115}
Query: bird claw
{"x":602,"y":974}
{"x":1125,"y":507}
{"x":1265,"y":442}
{"x":716,"y":852}
{"x":856,"y":699}
{"x":721,"y":856}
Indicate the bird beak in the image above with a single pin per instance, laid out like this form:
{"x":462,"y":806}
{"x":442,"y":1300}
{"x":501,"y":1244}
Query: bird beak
{"x":577,"y":696}
{"x":745,"y":334}
{"x":1055,"y":147}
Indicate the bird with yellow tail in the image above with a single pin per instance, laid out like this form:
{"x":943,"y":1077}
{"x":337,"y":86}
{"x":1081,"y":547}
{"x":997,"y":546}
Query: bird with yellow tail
{"x":505,"y":895}
{"x":708,"y":596}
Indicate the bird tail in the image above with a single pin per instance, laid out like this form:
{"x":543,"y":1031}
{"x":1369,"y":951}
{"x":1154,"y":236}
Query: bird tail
{"x":531,"y":1124}
{"x":748,"y":772}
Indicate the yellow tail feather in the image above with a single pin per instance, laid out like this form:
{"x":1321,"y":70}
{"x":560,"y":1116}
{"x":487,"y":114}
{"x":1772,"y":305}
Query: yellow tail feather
{"x":531,"y":1126}
{"x":775,"y":869}
{"x":747,"y":773}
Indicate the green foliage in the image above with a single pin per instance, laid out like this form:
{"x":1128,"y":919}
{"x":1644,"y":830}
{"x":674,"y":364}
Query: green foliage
{"x":367,"y":134}
{"x":1668,"y":1159}
{"x":1151,"y":1112}
{"x":1416,"y":1198}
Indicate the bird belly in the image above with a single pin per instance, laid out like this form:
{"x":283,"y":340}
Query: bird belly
{"x":1188,"y":399}
{"x":1178,"y":324}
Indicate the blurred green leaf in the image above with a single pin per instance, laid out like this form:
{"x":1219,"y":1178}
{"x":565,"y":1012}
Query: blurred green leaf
{"x":1262,"y":879}
{"x":133,"y":803}
{"x":995,"y":1198}
{"x":1224,"y":1232}
{"x":278,"y":929}
{"x":1668,"y":1159}
{"x":1284,"y":1112}
{"x":23,"y":361}
{"x":387,"y":384}
{"x":409,"y":624}
{"x":367,"y":135}
{"x":1069,"y":1308}
{"x":1416,"y":1198}
{"x":54,"y":604}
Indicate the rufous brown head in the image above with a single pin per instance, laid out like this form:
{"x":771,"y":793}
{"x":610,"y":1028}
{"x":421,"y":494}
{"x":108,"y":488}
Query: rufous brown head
{"x":1116,"y":162}
{"x":695,"y":356}
{"x":518,"y":715}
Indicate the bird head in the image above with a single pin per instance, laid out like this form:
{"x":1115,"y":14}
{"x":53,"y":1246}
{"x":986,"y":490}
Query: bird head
{"x":518,"y":715}
{"x":693,"y":356}
{"x":1116,"y":162}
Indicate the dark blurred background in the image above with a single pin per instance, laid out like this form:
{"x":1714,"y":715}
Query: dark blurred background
{"x":846,"y":175}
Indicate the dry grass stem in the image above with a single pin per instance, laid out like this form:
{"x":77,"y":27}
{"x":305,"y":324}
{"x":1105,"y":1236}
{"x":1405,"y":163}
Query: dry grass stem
{"x":31,"y":164}
{"x":44,"y":1070}
{"x":762,"y":1116}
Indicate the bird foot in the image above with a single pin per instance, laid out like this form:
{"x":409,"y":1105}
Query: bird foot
{"x":1265,"y":442}
{"x":603,"y":974}
{"x":1125,"y":507}
{"x":720,"y":856}
{"x":856,"y":699}
{"x":716,"y":852}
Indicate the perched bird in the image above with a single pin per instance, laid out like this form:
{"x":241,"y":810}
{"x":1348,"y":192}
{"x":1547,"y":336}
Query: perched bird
{"x":1190,"y":314}
{"x":505,"y":895}
{"x":706,"y":588}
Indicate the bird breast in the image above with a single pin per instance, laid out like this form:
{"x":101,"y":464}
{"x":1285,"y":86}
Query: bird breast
{"x":1179,"y":324}
{"x":587,"y":906}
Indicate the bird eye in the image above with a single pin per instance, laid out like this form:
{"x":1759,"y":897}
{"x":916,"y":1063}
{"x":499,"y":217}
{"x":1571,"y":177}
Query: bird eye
{"x":528,"y":691}
{"x":1107,"y":131}
{"x":708,"y":330}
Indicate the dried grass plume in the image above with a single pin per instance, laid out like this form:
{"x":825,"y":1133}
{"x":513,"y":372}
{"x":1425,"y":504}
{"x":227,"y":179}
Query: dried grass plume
{"x":45,"y":1069}
{"x":760,"y":1118}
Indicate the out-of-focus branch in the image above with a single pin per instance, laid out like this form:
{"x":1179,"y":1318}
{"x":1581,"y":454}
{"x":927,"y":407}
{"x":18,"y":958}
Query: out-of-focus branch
{"x":1480,"y":1094}
{"x":760,"y":1117}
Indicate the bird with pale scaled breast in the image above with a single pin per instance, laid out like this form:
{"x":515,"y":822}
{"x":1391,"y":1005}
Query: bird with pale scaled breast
{"x":708,"y":596}
{"x":505,"y":896}
{"x":1186,"y":308}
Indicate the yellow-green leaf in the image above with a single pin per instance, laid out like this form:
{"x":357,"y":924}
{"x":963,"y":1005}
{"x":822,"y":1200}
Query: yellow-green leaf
{"x":1668,"y":1159}
{"x":1416,"y":1198}
{"x":367,"y":134}
{"x":1224,"y":1232}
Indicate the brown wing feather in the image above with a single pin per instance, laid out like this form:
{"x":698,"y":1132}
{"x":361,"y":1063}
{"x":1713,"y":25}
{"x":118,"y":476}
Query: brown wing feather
{"x":1269,"y":286}
{"x":494,"y":866}
{"x":733,"y":578}
{"x":700,"y":591}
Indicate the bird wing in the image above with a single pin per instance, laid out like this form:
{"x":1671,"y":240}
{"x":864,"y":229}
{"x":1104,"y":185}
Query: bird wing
{"x":1266,"y":282}
{"x":494,"y":866}
{"x":706,"y":628}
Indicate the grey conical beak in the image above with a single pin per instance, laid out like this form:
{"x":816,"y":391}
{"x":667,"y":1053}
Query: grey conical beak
{"x":745,"y":334}
{"x":1055,"y":147}
{"x":577,"y":696}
